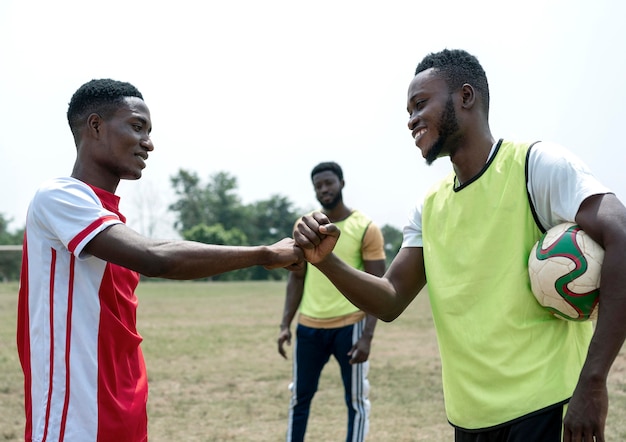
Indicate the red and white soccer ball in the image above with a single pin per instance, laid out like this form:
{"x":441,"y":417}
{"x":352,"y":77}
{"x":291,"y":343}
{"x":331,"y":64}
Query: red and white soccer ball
{"x":564,"y":269}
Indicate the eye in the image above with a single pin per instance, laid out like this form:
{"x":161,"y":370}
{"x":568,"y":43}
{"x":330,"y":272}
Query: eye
{"x":418,"y":105}
{"x":137,"y":127}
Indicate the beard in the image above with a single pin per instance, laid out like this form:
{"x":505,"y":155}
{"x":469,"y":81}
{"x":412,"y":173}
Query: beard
{"x":448,"y":126}
{"x":332,"y":203}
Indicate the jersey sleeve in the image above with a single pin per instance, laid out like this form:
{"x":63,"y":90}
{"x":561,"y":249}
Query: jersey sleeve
{"x":558,"y":183}
{"x":412,"y":231}
{"x":373,"y":245}
{"x":69,"y":212}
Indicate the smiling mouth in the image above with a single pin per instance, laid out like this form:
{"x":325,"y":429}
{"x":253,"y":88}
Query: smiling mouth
{"x":418,"y":134}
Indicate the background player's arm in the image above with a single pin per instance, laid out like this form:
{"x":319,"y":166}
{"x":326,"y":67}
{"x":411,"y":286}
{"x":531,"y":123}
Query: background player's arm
{"x":293,"y":297}
{"x":121,"y":245}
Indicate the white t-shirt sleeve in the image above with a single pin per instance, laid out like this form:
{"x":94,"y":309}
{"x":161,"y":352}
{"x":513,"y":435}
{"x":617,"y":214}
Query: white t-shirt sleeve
{"x":68,"y":212}
{"x":412,"y":231}
{"x":558,"y":182}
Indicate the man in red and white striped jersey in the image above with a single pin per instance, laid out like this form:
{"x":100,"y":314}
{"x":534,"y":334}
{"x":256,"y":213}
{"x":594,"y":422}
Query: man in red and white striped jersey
{"x":85,"y":377}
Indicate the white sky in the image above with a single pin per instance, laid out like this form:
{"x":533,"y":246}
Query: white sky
{"x":265,"y":90}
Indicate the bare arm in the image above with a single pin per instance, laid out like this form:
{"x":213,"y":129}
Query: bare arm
{"x":293,"y":297}
{"x":603,"y":217}
{"x":384,"y":297}
{"x":360,"y":351}
{"x":376,"y":268}
{"x":185,"y":259}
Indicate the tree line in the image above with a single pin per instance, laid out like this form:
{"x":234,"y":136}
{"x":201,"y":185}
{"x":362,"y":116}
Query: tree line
{"x":212,"y":212}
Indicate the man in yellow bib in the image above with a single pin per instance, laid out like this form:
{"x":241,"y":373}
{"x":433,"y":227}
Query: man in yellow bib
{"x":328,"y":324}
{"x":508,"y":366}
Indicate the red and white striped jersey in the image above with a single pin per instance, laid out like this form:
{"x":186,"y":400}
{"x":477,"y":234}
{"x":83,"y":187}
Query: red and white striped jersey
{"x":84,"y":373}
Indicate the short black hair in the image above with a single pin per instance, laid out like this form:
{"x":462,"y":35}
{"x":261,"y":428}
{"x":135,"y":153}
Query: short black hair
{"x":101,"y":96}
{"x":458,"y":67}
{"x":330,"y":166}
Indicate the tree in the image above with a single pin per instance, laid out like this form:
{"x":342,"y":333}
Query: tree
{"x":191,"y":204}
{"x":393,"y":242}
{"x":150,"y":210}
{"x":10,"y":261}
{"x":213,"y":213}
{"x":270,"y":221}
{"x":215,"y":203}
{"x":216,"y":234}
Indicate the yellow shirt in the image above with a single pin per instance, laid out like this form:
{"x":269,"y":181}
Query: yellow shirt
{"x":503,"y":356}
{"x":323,"y":306}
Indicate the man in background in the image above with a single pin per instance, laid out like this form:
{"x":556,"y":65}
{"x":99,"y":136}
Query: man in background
{"x":328,"y":324}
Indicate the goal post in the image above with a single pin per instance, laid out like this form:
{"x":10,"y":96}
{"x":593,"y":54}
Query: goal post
{"x":10,"y":262}
{"x":5,"y":248}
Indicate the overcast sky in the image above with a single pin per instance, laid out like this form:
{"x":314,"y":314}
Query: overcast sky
{"x":264,"y":90}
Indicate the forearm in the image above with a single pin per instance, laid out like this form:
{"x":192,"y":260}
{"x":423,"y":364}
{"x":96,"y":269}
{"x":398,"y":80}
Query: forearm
{"x":190,"y":260}
{"x":610,"y":330}
{"x":293,"y":297}
{"x":603,"y":217}
{"x":184,"y":259}
{"x":369,"y":327}
{"x":370,"y":293}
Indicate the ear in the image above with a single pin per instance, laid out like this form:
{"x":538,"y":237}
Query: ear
{"x":468,"y":96}
{"x":94,"y":124}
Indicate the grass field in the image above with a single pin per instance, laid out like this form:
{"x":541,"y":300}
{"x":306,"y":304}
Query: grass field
{"x":215,"y":373}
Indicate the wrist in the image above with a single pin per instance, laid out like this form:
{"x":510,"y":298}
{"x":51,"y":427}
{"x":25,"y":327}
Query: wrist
{"x":325,"y":262}
{"x":368,"y":336}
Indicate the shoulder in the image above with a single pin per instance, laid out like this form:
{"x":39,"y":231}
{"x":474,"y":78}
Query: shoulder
{"x":545,"y":155}
{"x":358,"y":218}
{"x":64,"y":185}
{"x":552,"y":165}
{"x":63,"y":192}
{"x":558,"y":183}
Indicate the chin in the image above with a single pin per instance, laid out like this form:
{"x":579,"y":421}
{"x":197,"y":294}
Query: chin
{"x":424,"y":151}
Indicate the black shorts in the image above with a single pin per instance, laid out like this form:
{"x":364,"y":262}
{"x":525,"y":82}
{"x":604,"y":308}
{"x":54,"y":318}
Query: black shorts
{"x":544,"y":426}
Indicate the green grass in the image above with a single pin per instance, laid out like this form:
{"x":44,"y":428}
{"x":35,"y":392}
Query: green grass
{"x":215,"y":373}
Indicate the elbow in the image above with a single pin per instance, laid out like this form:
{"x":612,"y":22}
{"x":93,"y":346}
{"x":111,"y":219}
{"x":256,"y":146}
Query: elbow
{"x":157,"y":265}
{"x":389,"y":316}
{"x":152,"y":272}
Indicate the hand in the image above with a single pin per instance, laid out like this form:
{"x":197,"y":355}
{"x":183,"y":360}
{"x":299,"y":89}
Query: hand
{"x":586,"y":414}
{"x":317,"y":236}
{"x":284,"y":336}
{"x":360,"y":351}
{"x":286,"y":254}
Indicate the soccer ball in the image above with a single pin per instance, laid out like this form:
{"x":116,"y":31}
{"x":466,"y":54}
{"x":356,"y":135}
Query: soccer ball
{"x":564,"y":269}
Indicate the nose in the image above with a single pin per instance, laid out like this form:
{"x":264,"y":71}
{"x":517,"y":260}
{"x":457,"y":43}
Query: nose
{"x":412,"y":121}
{"x":147,"y":144}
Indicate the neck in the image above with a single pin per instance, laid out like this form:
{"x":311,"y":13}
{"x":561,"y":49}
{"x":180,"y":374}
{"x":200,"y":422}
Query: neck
{"x":469,"y":159}
{"x":338,"y":213}
{"x":97,"y":180}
